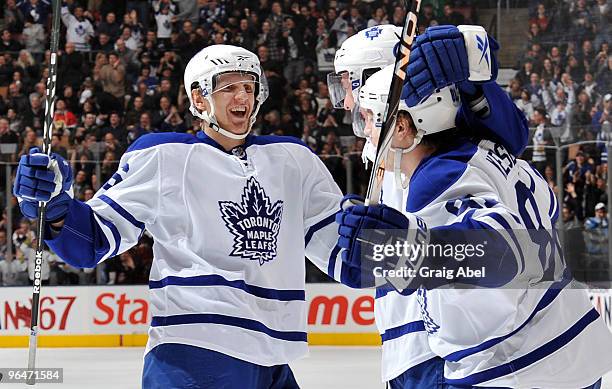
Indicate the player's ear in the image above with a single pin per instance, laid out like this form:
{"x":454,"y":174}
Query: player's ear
{"x":199,"y":101}
{"x":403,"y":126}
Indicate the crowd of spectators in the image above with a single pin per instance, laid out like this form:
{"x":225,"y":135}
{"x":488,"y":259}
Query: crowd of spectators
{"x":120,"y":76}
{"x":563,"y":86}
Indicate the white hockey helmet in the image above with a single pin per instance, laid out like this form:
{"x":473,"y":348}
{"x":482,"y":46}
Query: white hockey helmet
{"x":202,"y":72}
{"x":433,"y":114}
{"x":360,"y":56}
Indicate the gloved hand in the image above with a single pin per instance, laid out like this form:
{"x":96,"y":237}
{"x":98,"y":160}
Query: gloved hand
{"x":43,"y":178}
{"x":438,"y":59}
{"x":362,"y":229}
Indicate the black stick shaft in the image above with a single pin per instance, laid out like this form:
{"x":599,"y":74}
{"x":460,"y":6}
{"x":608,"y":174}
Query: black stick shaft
{"x":40,"y":226}
{"x":395,"y":91}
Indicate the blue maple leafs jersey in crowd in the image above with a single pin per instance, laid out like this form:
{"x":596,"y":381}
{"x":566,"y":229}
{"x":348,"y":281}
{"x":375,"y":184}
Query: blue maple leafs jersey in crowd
{"x":231,"y":231}
{"x":537,"y":334}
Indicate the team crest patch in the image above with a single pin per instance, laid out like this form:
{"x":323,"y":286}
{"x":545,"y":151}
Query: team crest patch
{"x":373,"y":32}
{"x":254,"y":223}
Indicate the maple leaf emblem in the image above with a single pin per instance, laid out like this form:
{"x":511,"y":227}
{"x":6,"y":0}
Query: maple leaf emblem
{"x":254,"y":223}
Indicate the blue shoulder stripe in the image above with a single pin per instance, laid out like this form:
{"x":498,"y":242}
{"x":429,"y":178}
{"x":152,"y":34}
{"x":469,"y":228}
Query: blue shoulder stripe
{"x":159,"y":138}
{"x":212,"y":318}
{"x":217,"y":280}
{"x":437,"y":173}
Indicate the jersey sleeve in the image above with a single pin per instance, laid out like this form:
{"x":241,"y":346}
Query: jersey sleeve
{"x":514,"y":242}
{"x":321,"y":198}
{"x":503,"y":121}
{"x":115,"y":218}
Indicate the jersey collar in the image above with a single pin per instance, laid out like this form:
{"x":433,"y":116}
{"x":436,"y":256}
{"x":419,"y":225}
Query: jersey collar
{"x":238,"y":151}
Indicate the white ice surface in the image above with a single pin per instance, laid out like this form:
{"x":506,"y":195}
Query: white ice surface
{"x":120,"y":368}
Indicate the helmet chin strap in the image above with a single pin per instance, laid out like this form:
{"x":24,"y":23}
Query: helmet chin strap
{"x":209,"y":117}
{"x":397,"y":160}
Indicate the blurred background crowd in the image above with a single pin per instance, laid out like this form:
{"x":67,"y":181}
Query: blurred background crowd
{"x":120,"y":76}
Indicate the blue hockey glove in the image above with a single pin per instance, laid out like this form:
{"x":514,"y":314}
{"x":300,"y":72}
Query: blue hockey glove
{"x":43,"y":178}
{"x":362,"y":229}
{"x":438,"y":59}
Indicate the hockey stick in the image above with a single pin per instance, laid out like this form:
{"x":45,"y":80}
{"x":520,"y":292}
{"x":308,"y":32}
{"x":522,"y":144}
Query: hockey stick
{"x":42,"y":208}
{"x":395,"y":91}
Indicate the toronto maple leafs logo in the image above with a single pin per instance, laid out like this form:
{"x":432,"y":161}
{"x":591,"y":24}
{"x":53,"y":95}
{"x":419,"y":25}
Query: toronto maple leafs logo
{"x":254,"y":223}
{"x":373,"y":32}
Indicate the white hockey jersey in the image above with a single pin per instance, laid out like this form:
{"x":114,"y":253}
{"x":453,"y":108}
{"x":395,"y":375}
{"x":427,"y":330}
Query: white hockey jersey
{"x":231,"y":231}
{"x":398,"y":315}
{"x":537,"y":334}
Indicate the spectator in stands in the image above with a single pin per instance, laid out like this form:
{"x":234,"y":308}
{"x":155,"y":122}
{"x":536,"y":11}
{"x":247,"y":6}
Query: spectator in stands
{"x":33,"y":37}
{"x":56,"y":146}
{"x":596,"y":232}
{"x":602,"y":21}
{"x":103,"y":43}
{"x":541,"y":138}
{"x":8,"y":143}
{"x":79,"y":29}
{"x":13,"y":17}
{"x":36,"y":9}
{"x":525,"y":104}
{"x":8,"y":44}
{"x":112,"y":144}
{"x":29,"y":140}
{"x":451,"y":16}
{"x":173,"y":122}
{"x":80,"y":185}
{"x":17,"y":100}
{"x":380,"y":17}
{"x":109,"y":26}
{"x":13,"y":271}
{"x":144,"y":127}
{"x":112,"y":78}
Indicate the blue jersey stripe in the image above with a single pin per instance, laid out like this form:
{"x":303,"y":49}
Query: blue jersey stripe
{"x":408,"y":328}
{"x":549,"y":296}
{"x":317,"y":226}
{"x":331,"y":265}
{"x":212,"y":318}
{"x":217,"y":280}
{"x":504,"y":223}
{"x":121,"y":211}
{"x":116,"y":236}
{"x":529,"y":358}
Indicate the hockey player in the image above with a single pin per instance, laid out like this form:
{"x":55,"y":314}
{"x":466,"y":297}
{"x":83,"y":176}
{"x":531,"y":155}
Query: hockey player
{"x":433,"y":65}
{"x":481,"y":106}
{"x":538,"y":329}
{"x":232,"y":216}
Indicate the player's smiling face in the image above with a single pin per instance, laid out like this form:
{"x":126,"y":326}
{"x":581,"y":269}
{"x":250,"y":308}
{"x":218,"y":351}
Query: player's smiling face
{"x":234,"y":99}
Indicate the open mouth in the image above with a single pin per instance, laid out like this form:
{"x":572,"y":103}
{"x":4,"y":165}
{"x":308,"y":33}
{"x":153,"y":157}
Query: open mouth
{"x":239,"y":112}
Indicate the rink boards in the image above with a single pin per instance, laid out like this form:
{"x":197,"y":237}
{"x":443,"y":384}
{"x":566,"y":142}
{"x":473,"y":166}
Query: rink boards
{"x":111,"y":316}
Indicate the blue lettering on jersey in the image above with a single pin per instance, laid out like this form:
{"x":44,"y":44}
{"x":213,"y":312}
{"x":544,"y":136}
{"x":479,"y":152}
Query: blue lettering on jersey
{"x":501,"y":159}
{"x":254,"y":223}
